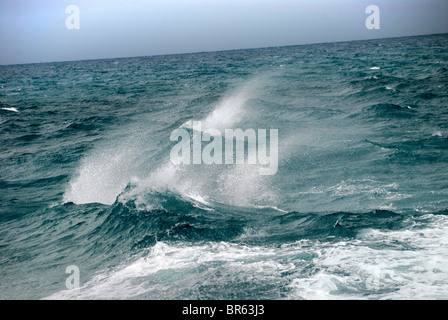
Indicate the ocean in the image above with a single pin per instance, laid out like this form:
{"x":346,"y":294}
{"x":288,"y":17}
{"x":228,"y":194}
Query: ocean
{"x":358,"y":208}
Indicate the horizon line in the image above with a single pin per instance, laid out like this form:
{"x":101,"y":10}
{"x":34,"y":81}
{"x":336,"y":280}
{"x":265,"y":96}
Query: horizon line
{"x":224,"y":50}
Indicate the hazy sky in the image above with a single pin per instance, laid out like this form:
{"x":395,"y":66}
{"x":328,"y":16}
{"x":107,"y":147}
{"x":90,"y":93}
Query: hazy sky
{"x":35,"y":30}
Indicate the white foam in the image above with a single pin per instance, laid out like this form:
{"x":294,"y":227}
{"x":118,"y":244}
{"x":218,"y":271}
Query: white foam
{"x":406,"y":264}
{"x":242,"y":185}
{"x":128,"y":281}
{"x":199,"y":201}
{"x":239,"y":185}
{"x":229,"y":112}
{"x":166,"y":178}
{"x":12,"y":109}
{"x":271,"y":207}
{"x":403,"y":264}
{"x":102,"y":176}
{"x":371,"y":188}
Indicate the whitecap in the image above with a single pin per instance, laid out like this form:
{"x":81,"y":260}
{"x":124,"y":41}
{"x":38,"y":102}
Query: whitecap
{"x":12,"y":109}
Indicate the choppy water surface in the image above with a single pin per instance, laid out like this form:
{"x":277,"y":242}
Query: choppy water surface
{"x":357,"y":209}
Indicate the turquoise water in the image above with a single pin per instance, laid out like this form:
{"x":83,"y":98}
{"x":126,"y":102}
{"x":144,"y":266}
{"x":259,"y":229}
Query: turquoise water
{"x":357,"y":209}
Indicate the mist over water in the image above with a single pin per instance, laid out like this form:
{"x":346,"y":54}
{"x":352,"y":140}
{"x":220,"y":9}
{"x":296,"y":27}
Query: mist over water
{"x":357,"y":208}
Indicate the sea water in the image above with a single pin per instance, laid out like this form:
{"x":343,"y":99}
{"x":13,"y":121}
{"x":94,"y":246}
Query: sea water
{"x":356,"y":210}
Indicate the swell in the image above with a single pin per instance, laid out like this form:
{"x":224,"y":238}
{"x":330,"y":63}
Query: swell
{"x":101,"y":237}
{"x":127,"y":228}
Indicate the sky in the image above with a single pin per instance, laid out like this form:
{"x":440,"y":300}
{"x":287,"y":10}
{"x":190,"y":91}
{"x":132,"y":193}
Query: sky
{"x":36,"y":30}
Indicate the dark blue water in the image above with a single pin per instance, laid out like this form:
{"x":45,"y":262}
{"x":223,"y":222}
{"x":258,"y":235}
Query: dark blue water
{"x":357,"y":210}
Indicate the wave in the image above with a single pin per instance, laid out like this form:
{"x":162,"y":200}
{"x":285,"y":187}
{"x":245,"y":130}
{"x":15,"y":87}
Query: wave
{"x":384,"y":111}
{"x":12,"y":109}
{"x":371,"y":255}
{"x":103,"y":175}
{"x":170,"y":216}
